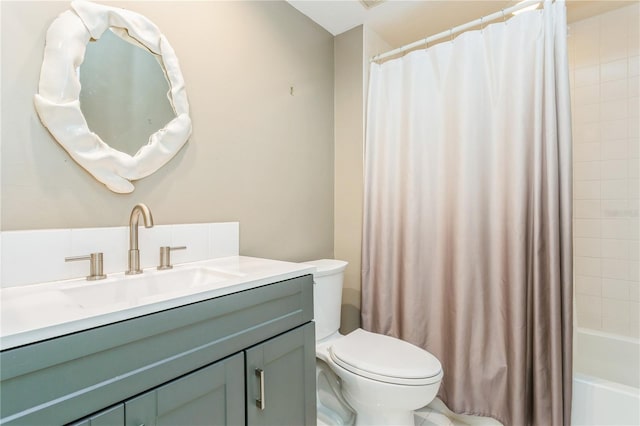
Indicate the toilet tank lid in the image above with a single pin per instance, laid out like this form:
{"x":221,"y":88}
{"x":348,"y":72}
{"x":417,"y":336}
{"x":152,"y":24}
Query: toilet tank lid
{"x":327,"y":266}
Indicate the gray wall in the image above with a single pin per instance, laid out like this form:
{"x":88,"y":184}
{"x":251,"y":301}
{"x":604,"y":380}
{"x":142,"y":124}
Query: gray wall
{"x":258,"y":154}
{"x":349,"y":134}
{"x":352,"y":51}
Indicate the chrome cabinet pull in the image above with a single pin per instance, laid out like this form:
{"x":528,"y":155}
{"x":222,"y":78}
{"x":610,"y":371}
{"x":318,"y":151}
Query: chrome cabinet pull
{"x":260,"y":402}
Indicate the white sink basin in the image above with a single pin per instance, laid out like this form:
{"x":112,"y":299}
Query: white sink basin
{"x":40,"y":311}
{"x":145,"y":288}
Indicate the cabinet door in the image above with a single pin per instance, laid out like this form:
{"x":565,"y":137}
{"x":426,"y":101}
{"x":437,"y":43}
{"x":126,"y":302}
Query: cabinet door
{"x":113,"y":416}
{"x":281,"y":387}
{"x":213,"y":395}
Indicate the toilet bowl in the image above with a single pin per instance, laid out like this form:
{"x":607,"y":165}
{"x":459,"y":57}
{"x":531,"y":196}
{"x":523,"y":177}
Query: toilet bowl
{"x":381,"y":378}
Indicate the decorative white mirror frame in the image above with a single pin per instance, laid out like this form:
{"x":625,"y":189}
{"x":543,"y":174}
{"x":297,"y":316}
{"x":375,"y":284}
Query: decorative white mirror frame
{"x":58,"y":99}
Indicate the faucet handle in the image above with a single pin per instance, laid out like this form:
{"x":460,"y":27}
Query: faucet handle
{"x":165,"y":256}
{"x":95,"y":265}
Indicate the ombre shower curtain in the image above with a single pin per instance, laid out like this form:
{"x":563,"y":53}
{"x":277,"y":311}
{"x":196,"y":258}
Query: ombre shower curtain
{"x":467,"y":223}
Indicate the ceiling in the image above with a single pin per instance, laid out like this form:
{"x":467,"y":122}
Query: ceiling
{"x":400,"y":22}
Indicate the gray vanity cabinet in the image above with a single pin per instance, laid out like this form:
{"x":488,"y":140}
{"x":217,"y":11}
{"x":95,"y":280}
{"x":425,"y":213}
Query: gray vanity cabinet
{"x":189,"y":365}
{"x":213,"y":395}
{"x":281,"y":380}
{"x":110,"y":417}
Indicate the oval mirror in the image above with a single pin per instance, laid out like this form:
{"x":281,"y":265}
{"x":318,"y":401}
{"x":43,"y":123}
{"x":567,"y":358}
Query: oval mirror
{"x":123,"y":93}
{"x":58,"y":99}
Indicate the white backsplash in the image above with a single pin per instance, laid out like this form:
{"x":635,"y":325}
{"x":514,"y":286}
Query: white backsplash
{"x":28,"y":257}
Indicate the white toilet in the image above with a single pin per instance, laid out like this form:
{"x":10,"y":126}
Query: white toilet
{"x":381,"y":378}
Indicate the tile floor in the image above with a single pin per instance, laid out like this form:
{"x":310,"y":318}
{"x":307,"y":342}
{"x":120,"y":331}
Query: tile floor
{"x":437,"y":414}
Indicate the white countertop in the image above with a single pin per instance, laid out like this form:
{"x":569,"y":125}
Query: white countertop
{"x":37,"y":312}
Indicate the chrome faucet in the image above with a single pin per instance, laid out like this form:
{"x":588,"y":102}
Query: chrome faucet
{"x":134,"y":253}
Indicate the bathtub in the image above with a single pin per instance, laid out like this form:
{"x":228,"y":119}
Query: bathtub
{"x":606,"y":379}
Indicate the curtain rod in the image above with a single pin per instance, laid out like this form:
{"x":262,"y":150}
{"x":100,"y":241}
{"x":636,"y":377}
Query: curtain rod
{"x":450,"y":32}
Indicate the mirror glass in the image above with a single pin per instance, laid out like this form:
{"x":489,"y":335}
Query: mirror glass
{"x":123,"y":93}
{"x":128,"y":101}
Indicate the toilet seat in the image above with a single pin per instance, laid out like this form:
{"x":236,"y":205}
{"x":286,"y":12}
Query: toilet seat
{"x":385,"y":359}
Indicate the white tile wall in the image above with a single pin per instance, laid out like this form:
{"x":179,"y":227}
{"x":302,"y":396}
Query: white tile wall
{"x":604,"y":58}
{"x":29,"y":257}
{"x":36,"y":256}
{"x":225,"y":240}
{"x":587,"y":228}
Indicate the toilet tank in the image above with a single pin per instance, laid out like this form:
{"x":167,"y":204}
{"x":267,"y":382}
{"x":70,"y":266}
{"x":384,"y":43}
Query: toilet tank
{"x":327,"y":295}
